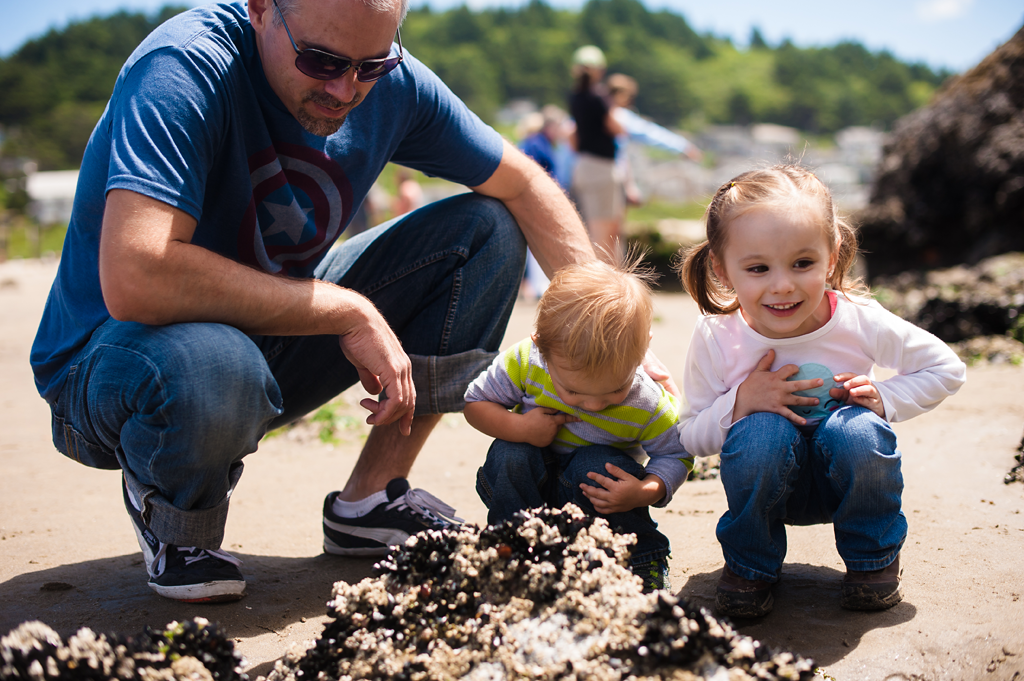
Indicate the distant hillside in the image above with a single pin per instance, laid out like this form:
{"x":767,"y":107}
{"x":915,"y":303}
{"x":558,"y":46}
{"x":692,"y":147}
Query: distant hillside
{"x":55,"y":87}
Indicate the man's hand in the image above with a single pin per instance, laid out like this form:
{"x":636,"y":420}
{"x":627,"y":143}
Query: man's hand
{"x":858,"y":390}
{"x":622,"y":492}
{"x":151,"y":273}
{"x":659,"y":372}
{"x":769,"y":391}
{"x":384,"y":369}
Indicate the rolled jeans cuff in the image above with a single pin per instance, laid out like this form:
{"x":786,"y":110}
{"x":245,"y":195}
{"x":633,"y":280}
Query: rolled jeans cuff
{"x":648,"y":556}
{"x":202,"y":528}
{"x":441,"y":380}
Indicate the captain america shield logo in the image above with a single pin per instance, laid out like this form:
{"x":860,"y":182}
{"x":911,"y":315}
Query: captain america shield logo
{"x":301,"y":200}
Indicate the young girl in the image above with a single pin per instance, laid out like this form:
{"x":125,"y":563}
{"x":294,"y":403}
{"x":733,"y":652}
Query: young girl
{"x":779,"y":380}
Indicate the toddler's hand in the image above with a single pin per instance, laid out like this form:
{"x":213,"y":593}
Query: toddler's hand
{"x":542,"y":424}
{"x":858,"y":390}
{"x":622,"y":492}
{"x":769,"y":391}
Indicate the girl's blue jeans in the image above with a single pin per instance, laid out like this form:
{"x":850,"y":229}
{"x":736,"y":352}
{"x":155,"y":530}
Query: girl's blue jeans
{"x":517,"y":476}
{"x":847,"y":472}
{"x":177,"y":407}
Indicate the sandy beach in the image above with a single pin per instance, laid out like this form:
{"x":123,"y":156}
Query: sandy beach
{"x":69,"y":558}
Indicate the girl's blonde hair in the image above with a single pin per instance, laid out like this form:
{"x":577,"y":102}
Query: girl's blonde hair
{"x":778,"y":185}
{"x":597,"y":316}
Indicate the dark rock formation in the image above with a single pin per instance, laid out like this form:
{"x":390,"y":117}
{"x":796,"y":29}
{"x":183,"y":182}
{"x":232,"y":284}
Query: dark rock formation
{"x":961,"y":303}
{"x":950,"y":186}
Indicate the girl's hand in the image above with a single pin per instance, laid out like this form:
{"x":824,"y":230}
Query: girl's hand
{"x":540,"y":425}
{"x":622,"y":492}
{"x":858,"y":390}
{"x":769,"y":391}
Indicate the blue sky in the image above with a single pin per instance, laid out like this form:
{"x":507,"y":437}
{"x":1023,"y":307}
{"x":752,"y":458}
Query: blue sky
{"x":955,"y":34}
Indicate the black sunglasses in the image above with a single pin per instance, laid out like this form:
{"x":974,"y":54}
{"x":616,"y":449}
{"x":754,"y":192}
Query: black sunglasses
{"x":326,"y":66}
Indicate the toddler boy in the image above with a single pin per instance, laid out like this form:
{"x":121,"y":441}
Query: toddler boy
{"x":584,"y":413}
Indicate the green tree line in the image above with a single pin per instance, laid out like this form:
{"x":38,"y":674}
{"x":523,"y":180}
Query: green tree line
{"x":55,"y":86}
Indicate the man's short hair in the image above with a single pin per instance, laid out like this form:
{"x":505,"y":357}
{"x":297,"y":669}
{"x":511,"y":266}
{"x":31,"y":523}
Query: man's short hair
{"x":382,"y":6}
{"x":597,"y":317}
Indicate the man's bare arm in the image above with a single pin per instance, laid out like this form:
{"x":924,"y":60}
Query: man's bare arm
{"x":548,"y":219}
{"x":150,"y":272}
{"x":552,"y":226}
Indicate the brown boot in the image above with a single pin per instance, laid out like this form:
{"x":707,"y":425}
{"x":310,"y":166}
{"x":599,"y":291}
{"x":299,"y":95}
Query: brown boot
{"x":738,"y":597}
{"x":874,"y":589}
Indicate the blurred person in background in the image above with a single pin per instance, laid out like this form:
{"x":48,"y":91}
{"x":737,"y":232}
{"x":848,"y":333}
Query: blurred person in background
{"x":408,"y":193}
{"x":373,"y":206}
{"x":597,"y":184}
{"x":543,"y":136}
{"x":622,"y":91}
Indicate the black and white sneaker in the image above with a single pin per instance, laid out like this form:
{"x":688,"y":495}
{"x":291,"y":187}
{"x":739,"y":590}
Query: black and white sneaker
{"x":406,"y":512}
{"x":186,"y":573}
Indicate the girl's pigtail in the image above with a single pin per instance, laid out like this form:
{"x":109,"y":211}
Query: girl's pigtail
{"x":698,"y":278}
{"x":845,"y":258}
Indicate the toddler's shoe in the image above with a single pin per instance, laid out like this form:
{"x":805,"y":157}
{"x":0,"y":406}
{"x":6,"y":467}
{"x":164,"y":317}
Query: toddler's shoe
{"x":874,"y":589}
{"x":745,"y":598}
{"x":654,"y":574}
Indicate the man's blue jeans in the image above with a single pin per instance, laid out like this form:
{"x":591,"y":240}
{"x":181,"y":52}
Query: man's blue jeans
{"x":847,"y":472}
{"x":517,"y":476}
{"x":177,"y":407}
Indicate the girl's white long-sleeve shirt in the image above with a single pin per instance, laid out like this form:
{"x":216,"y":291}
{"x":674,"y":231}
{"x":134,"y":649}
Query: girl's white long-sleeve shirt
{"x":860,"y":335}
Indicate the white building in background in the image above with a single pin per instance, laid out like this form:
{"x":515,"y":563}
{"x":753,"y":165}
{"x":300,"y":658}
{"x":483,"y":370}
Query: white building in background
{"x":51,"y":195}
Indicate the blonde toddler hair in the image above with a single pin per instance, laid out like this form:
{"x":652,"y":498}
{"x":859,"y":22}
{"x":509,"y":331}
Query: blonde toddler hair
{"x":597,"y":316}
{"x":789,"y":185}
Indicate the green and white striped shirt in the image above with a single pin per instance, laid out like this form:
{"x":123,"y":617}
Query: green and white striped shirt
{"x":642,"y":424}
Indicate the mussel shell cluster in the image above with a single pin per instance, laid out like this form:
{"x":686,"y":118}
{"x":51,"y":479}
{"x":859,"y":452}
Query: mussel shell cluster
{"x":544,"y":596}
{"x":195,"y":649}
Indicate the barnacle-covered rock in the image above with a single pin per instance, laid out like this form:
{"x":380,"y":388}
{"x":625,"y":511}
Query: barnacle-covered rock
{"x":193,"y":651}
{"x":546,"y":596}
{"x":961,"y":303}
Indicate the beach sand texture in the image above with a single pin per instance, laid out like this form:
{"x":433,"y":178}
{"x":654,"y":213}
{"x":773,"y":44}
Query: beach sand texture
{"x":69,"y":558}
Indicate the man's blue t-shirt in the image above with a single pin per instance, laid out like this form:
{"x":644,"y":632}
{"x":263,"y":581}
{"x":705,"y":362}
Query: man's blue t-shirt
{"x":194,"y":123}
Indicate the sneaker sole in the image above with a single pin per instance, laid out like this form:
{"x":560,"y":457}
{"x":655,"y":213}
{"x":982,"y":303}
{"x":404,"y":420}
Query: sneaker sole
{"x":208,"y":592}
{"x":366,"y":551}
{"x":380,"y":539}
